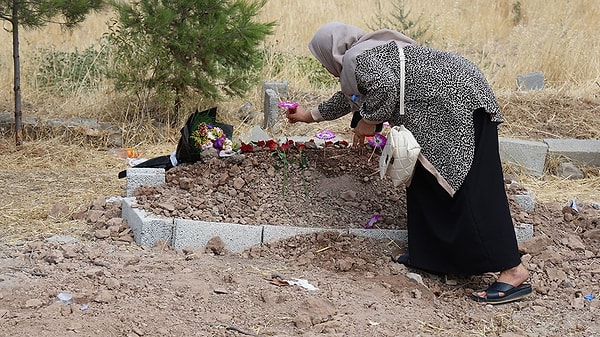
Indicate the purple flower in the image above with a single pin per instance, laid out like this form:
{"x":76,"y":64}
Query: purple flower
{"x":378,"y":141}
{"x":288,"y":105}
{"x":373,"y":220}
{"x":325,"y":135}
{"x":218,"y":143}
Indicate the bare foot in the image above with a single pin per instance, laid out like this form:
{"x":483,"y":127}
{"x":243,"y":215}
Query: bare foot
{"x":514,"y":276}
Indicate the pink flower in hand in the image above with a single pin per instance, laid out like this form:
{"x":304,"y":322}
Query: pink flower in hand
{"x":288,"y":105}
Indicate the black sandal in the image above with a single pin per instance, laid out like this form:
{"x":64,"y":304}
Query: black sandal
{"x":509,"y":293}
{"x":402,"y":259}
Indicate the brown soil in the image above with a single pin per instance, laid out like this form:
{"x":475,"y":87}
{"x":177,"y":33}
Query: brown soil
{"x":330,"y":187}
{"x":121,"y":289}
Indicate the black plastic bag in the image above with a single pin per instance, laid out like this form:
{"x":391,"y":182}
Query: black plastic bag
{"x":185,"y":153}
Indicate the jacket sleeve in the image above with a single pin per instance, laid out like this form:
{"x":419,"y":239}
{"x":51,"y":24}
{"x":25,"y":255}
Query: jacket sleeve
{"x":379,"y":85}
{"x":335,"y":107}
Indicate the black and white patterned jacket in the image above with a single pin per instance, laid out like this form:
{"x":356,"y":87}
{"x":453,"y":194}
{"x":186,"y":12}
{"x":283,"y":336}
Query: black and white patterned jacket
{"x":442,"y":90}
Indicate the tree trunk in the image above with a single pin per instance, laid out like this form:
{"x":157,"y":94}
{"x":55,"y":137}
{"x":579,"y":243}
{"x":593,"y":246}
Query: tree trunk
{"x":17,"y":74}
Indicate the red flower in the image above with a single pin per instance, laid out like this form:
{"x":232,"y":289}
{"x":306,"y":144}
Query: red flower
{"x":285,"y":146}
{"x":272,"y":145}
{"x":301,"y":147}
{"x":247,"y":147}
{"x":261,"y":143}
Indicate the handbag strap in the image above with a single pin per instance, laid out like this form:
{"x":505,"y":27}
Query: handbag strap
{"x":402,"y":77}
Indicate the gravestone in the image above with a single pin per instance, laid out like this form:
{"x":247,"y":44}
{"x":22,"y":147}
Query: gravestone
{"x":280,"y":88}
{"x":271,"y":99}
{"x":273,"y":91}
{"x":531,"y":81}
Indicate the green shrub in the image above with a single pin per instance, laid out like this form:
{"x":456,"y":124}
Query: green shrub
{"x":400,"y":19}
{"x":171,"y":51}
{"x":517,"y":12}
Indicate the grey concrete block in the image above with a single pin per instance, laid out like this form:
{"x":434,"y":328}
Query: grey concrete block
{"x":271,"y":108}
{"x":529,"y":154}
{"x":304,"y":139}
{"x":275,"y":233}
{"x":280,"y":87}
{"x":525,"y":201}
{"x":255,"y":134}
{"x":7,"y":120}
{"x":147,"y":229}
{"x":583,"y":151}
{"x":397,"y":235}
{"x":531,"y":81}
{"x":137,"y":177}
{"x":190,"y":233}
{"x":523,"y":231}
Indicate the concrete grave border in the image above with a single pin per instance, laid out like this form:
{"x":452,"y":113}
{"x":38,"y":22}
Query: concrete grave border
{"x":148,"y":229}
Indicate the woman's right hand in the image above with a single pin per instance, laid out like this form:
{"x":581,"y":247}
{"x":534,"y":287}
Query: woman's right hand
{"x":299,"y":114}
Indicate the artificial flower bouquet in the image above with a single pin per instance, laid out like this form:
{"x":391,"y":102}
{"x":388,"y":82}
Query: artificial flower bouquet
{"x":202,"y":132}
{"x":206,"y":136}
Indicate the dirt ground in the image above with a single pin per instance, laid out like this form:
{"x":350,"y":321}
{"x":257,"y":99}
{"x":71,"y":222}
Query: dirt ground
{"x":69,"y":266}
{"x":121,"y":289}
{"x":320,"y":284}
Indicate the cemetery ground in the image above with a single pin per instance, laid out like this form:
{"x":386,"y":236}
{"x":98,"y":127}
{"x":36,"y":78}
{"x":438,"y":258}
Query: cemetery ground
{"x":62,"y":238}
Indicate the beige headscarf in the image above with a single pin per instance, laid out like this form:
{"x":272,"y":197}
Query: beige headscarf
{"x":336,"y":46}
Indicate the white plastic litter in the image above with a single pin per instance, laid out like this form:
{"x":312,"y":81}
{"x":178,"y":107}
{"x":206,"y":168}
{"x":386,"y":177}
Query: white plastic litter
{"x":135,"y":161}
{"x":65,"y":298}
{"x":302,"y":283}
{"x":574,"y":206}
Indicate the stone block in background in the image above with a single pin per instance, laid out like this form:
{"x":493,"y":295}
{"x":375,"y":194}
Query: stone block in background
{"x":531,"y":81}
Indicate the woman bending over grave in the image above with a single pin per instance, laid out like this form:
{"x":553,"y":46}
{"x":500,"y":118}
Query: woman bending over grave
{"x":459,"y":220}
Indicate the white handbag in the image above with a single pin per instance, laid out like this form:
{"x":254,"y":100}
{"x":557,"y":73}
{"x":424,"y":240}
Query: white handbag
{"x":401,"y":151}
{"x":399,"y":156}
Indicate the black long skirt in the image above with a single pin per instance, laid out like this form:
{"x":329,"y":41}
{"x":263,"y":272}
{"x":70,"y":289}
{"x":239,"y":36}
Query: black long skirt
{"x":471,"y":233}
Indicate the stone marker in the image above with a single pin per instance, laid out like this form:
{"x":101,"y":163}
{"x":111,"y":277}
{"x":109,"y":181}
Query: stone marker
{"x":531,"y":81}
{"x":281,"y":88}
{"x":271,"y":99}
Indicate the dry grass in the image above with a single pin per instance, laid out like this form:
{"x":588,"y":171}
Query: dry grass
{"x":44,"y":173}
{"x":553,"y":37}
{"x":549,"y":114}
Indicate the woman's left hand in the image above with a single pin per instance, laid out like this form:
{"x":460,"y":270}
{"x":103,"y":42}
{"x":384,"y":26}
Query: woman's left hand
{"x":362,"y":130}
